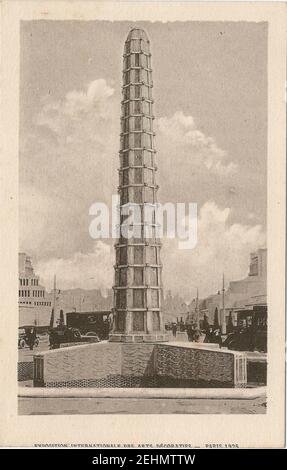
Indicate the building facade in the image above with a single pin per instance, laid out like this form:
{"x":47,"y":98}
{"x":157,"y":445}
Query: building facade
{"x":137,"y":288}
{"x":244,"y":293}
{"x":34,"y":302}
{"x":31,"y":292}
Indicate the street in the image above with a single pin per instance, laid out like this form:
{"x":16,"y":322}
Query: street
{"x":59,"y":406}
{"x":26,"y":355}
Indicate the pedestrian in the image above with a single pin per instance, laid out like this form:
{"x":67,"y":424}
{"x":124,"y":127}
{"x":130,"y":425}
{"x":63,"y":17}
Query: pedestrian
{"x":31,"y":336}
{"x":189,"y":331}
{"x":174,"y":328}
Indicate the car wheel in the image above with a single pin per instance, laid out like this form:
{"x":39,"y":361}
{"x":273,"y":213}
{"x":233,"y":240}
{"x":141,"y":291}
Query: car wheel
{"x":232,"y":345}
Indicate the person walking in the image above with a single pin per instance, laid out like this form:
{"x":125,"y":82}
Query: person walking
{"x":174,"y":329}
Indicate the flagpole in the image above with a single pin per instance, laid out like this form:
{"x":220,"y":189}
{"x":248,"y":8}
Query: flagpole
{"x":197,"y":309}
{"x":54,"y":294}
{"x":223,"y":324}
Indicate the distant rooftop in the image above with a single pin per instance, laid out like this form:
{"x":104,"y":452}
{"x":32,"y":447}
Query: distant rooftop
{"x":137,"y":33}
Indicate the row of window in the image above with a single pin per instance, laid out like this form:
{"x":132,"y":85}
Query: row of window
{"x":137,"y":176}
{"x":138,"y":299}
{"x":137,"y":158}
{"x":137,"y":255}
{"x":139,"y":234}
{"x":137,"y":123}
{"x":137,"y":92}
{"x":46,"y":304}
{"x":138,"y":195}
{"x":137,"y":76}
{"x":35,"y":293}
{"x":137,"y":107}
{"x":25,"y":282}
{"x":136,"y":45}
{"x":137,"y":276}
{"x":137,"y":60}
{"x":136,"y":140}
{"x":138,"y":321}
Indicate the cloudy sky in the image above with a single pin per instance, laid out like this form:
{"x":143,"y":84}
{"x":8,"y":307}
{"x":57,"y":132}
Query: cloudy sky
{"x":210,"y":91}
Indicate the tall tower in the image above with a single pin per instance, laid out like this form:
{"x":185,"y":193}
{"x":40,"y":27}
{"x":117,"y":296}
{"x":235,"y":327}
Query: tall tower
{"x":137,"y":289}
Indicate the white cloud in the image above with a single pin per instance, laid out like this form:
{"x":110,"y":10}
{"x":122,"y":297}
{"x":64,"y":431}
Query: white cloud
{"x":221,"y":247}
{"x":80,"y":115}
{"x":95,"y":96}
{"x":182,"y":131}
{"x":85,"y":270}
{"x":67,"y":164}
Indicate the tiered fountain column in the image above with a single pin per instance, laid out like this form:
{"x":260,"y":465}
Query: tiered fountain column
{"x":137,"y":289}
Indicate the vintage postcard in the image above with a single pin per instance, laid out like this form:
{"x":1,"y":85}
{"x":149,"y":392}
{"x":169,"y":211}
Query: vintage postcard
{"x":143,"y":234}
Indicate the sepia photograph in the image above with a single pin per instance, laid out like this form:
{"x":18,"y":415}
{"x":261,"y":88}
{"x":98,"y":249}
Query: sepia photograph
{"x":171,"y":114}
{"x":145,"y":262}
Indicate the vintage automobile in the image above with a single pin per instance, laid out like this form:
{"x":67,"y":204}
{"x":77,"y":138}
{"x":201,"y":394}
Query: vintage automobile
{"x":63,"y":334}
{"x":23,"y":338}
{"x":251,"y":331}
{"x":97,"y":323}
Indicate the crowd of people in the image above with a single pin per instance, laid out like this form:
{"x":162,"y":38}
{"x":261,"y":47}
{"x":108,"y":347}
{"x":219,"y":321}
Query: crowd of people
{"x":195,"y":333}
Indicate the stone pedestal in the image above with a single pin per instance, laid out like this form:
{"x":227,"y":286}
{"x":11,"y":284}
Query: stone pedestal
{"x":119,"y":364}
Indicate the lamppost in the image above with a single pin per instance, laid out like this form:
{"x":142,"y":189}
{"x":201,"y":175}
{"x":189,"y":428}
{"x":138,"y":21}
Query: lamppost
{"x":223,"y":322}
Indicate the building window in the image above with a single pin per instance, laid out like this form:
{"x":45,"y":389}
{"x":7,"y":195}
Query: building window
{"x":138,"y":175}
{"x":126,"y":125}
{"x":137,"y":60}
{"x":154,"y":298}
{"x":138,"y":276}
{"x":120,"y":321}
{"x":153,"y":277}
{"x":138,"y":199}
{"x":123,"y":277}
{"x":138,"y":321}
{"x":137,"y":107}
{"x":138,"y":298}
{"x":138,"y":254}
{"x":136,"y":45}
{"x":126,"y":159}
{"x":123,"y":255}
{"x":121,"y":299}
{"x":137,"y":76}
{"x":137,"y":123}
{"x":155,"y":321}
{"x":137,"y":140}
{"x":137,"y":91}
{"x":126,"y":177}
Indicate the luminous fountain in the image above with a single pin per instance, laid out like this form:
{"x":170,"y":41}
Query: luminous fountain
{"x":138,"y":353}
{"x":138,"y":290}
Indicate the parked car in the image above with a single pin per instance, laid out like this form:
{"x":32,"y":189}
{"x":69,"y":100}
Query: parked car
{"x":251,"y":333}
{"x":26,"y":340}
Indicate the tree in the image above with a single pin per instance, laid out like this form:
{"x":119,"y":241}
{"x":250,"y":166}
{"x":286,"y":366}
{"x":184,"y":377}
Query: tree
{"x":216,"y":320}
{"x":230,"y":325}
{"x":62,"y":321}
{"x":205,"y":324}
{"x":52,"y":319}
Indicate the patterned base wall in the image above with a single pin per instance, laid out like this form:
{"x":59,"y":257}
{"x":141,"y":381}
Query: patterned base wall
{"x":25,"y":371}
{"x":188,"y":363}
{"x":139,"y":365}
